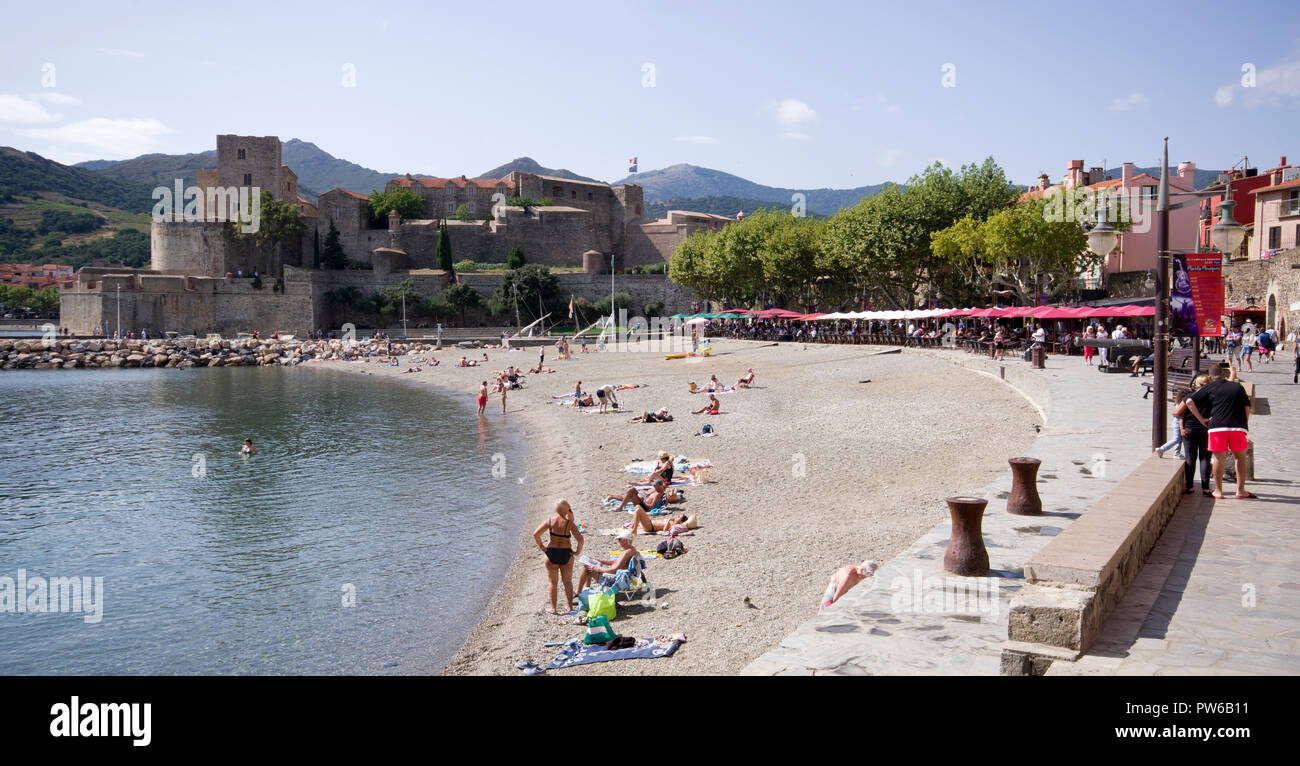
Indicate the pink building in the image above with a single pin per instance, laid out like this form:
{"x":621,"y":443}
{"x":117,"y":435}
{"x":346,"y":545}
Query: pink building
{"x":1136,"y":253}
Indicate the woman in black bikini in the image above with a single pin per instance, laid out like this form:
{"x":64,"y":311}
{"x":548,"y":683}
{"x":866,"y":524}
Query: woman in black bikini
{"x":560,"y":553}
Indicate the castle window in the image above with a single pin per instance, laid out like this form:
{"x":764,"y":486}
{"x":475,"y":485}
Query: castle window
{"x":589,"y":197}
{"x":573,"y":194}
{"x":242,"y":154}
{"x":248,"y":179}
{"x":451,"y":206}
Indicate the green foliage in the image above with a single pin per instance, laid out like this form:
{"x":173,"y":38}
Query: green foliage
{"x":407,"y":203}
{"x":522,"y":288}
{"x":14,"y":238}
{"x":127,"y":247}
{"x":527,"y":202}
{"x":654,"y":309}
{"x":442,"y":254}
{"x":278,"y":223}
{"x":463,"y":213}
{"x":333,"y":257}
{"x":256,"y":284}
{"x":405,"y":289}
{"x":30,"y":173}
{"x":17,"y":298}
{"x":881,"y":246}
{"x":462,"y":297}
{"x":464,"y":266}
{"x":621,"y":301}
{"x":515,"y":258}
{"x":68,"y":222}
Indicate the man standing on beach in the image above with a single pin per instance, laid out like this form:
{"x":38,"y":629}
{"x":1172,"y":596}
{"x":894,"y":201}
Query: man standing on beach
{"x":482,"y":396}
{"x":1229,"y":409}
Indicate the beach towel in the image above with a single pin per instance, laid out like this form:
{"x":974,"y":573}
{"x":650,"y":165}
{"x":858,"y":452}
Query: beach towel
{"x":645,"y":649}
{"x":680,"y":465}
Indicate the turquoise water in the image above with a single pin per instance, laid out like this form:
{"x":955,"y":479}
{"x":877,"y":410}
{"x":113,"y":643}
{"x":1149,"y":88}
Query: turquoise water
{"x":213,"y":563}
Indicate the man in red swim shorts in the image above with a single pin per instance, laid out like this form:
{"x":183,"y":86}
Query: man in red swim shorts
{"x":482,"y":397}
{"x":1229,"y":409}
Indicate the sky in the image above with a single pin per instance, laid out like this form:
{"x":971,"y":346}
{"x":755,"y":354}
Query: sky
{"x":789,"y":94}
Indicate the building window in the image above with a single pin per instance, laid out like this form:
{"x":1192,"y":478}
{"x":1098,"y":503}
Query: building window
{"x":573,"y":194}
{"x":241,"y":154}
{"x":248,"y":179}
{"x":589,"y":197}
{"x":451,"y":206}
{"x":1274,"y":237}
{"x":1292,"y":204}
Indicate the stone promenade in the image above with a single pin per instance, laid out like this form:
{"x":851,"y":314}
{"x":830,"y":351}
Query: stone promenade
{"x":1220,"y":593}
{"x":913,"y":619}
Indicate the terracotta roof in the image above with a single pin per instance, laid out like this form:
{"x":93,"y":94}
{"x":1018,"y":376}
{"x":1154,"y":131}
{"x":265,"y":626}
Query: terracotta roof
{"x":1279,"y":187}
{"x":441,"y":183}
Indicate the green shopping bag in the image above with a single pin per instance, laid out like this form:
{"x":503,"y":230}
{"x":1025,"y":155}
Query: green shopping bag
{"x":601,"y":605}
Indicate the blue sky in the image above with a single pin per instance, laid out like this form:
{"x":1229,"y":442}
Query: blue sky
{"x":803,"y":95}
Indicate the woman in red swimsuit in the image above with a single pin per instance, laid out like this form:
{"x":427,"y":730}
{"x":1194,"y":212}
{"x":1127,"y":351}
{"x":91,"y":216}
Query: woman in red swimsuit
{"x":559,"y":552}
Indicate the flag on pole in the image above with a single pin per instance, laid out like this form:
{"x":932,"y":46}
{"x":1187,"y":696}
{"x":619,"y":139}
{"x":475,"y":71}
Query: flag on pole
{"x":570,"y":305}
{"x":631,"y":165}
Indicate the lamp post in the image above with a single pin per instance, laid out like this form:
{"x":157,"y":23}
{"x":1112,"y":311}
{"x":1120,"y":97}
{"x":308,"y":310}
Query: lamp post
{"x":119,"y":311}
{"x":1226,"y":235}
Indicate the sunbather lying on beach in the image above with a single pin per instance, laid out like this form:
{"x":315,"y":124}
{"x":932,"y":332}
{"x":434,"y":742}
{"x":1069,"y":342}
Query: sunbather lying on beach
{"x":410,"y":370}
{"x":649,"y":501}
{"x":845,"y":578}
{"x":711,"y":408}
{"x":577,"y":393}
{"x":746,"y":381}
{"x":661,"y":416}
{"x":651,"y":526}
{"x":583,"y":401}
{"x":714,"y":384}
{"x":608,"y":569}
{"x":466,"y":363}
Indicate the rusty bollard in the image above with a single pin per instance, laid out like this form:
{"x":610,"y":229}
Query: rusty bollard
{"x":1024,"y":499}
{"x":966,"y":554}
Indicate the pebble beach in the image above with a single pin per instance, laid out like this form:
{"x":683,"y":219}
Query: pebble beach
{"x":837,"y":454}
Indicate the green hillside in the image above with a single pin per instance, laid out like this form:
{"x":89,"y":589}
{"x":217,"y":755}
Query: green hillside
{"x":53,"y":213}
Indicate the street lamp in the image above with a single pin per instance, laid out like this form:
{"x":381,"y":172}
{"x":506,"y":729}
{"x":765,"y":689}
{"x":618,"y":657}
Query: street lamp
{"x":1102,"y":238}
{"x":1227,"y":234}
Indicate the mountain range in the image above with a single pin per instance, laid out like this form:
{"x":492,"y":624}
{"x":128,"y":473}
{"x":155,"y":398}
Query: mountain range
{"x":688,"y":186}
{"x":679,"y":186}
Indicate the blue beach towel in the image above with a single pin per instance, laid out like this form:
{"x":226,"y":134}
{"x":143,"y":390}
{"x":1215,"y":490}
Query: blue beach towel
{"x":645,"y":649}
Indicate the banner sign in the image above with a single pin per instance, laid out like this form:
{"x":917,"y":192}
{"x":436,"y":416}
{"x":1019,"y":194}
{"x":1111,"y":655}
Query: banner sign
{"x":1196,"y":295}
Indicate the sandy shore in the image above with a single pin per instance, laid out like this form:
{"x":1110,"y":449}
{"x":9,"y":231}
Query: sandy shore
{"x":878,"y":460}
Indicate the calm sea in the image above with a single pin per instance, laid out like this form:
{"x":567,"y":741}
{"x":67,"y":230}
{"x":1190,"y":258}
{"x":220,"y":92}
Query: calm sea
{"x":364,"y":537}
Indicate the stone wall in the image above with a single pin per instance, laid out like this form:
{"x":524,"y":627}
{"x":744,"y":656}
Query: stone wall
{"x":261,"y":162}
{"x":1272,"y":284}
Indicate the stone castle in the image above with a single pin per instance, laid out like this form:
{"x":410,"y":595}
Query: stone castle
{"x":201,"y":276}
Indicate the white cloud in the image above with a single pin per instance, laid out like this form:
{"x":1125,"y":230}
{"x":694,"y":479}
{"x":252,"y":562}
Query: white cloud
{"x":113,"y":139}
{"x":54,"y":97}
{"x":889,"y":157}
{"x":796,"y":136}
{"x":887,"y":107}
{"x":1128,"y":103}
{"x":17,"y":110}
{"x":698,"y":139}
{"x":792,"y":111}
{"x":1273,"y":86}
{"x":121,"y":52}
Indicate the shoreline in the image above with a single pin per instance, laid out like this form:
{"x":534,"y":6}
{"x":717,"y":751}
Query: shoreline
{"x":878,"y":460}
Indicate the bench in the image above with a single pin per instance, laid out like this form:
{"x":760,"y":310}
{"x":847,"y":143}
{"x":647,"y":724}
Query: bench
{"x":1180,"y":371}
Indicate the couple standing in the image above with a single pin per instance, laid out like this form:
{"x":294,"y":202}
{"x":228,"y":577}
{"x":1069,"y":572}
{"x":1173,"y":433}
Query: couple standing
{"x":1223,"y":408}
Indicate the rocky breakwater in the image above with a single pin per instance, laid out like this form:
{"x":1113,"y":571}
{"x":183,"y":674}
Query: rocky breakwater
{"x":183,"y":353}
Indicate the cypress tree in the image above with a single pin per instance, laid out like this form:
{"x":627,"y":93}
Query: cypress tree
{"x":443,"y":251}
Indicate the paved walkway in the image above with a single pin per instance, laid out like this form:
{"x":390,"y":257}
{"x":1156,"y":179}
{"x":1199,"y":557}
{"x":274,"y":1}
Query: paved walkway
{"x":1220,"y":593}
{"x":910,"y":618}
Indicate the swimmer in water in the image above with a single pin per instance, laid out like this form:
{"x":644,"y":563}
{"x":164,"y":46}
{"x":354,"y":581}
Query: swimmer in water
{"x":248,"y":448}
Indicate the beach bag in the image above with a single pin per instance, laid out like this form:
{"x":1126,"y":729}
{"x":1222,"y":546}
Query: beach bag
{"x":671,"y":549}
{"x":674,"y":496}
{"x":584,"y":596}
{"x":601,"y":605}
{"x":599,"y":631}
